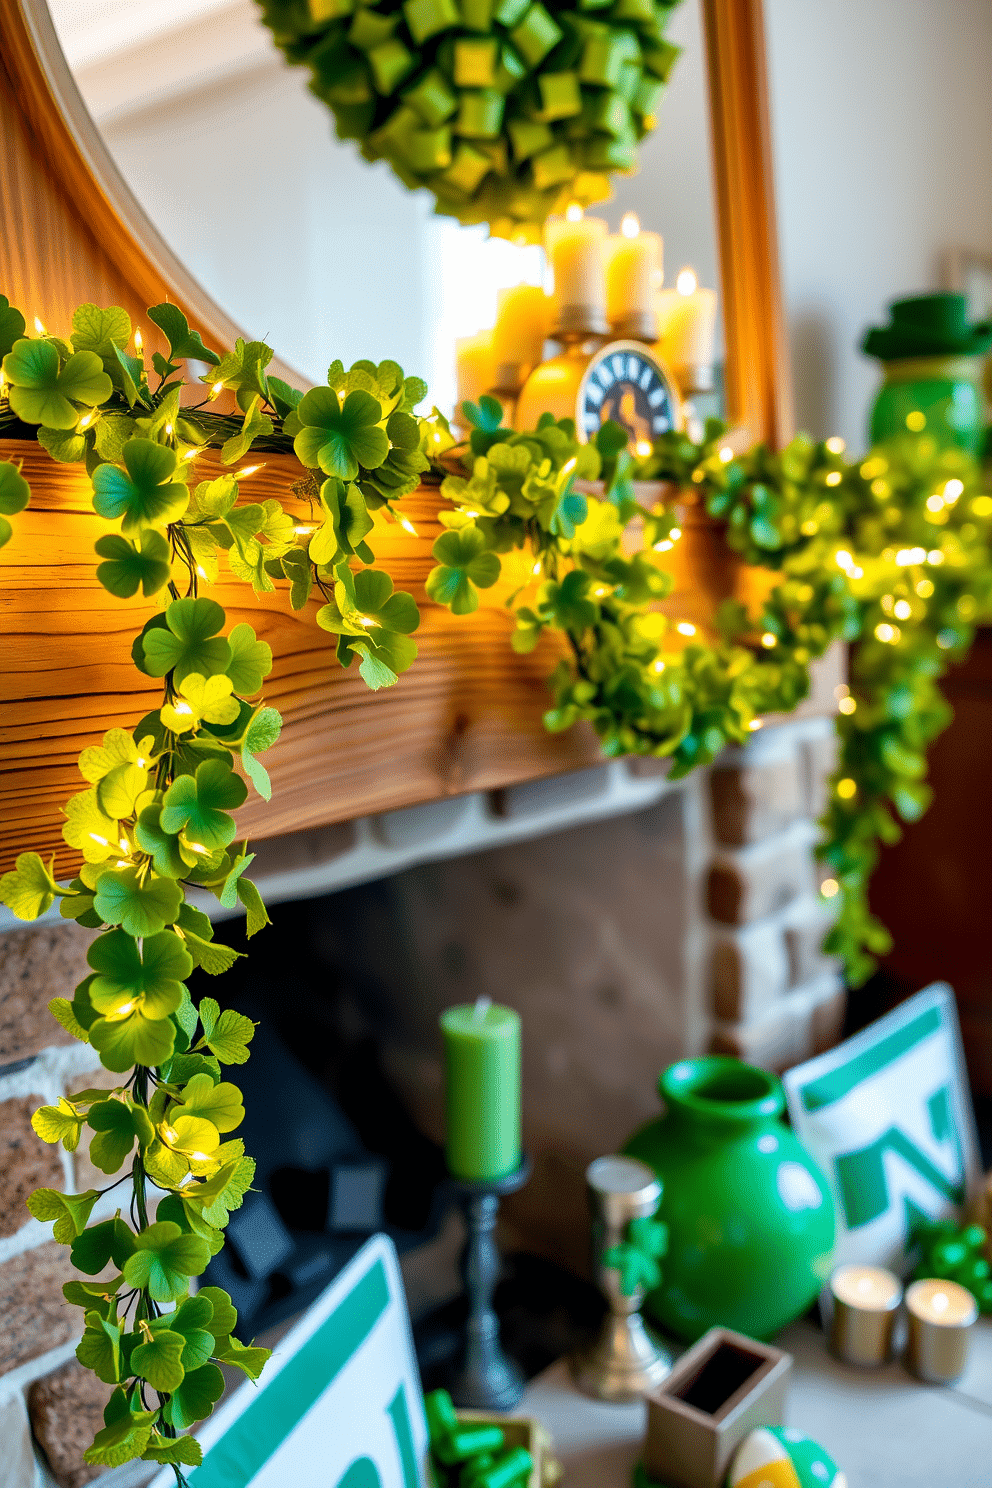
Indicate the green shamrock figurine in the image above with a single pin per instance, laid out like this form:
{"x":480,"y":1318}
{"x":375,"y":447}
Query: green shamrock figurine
{"x":637,"y":1257}
{"x":955,"y":1254}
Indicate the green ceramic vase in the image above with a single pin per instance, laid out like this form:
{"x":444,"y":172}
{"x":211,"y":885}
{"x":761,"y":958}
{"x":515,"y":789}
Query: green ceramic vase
{"x":750,"y":1218}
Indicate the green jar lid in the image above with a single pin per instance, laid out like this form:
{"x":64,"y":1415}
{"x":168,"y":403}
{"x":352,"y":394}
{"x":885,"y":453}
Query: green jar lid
{"x":928,"y":325}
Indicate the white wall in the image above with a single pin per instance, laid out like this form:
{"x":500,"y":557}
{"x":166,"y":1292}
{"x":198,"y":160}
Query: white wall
{"x":883,"y":158}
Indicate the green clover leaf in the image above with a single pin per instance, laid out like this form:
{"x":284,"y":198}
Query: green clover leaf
{"x":382,"y":655}
{"x":163,"y":1261}
{"x":14,"y":495}
{"x":251,"y":1360}
{"x":118,"y":748}
{"x":164,"y":847}
{"x":465,"y":566}
{"x":96,"y":1247}
{"x":127,"y":568}
{"x":188,"y":642}
{"x":261,"y":733}
{"x":11,"y":325}
{"x":215,"y":1199}
{"x":69,"y":1211}
{"x":99,"y":1349}
{"x":144,"y":493}
{"x":346,"y":524}
{"x":122,"y":1441}
{"x":193,"y":1319}
{"x":130,"y":981}
{"x":257,"y":914}
{"x":94,"y":1296}
{"x":197,"y":805}
{"x":251,"y":661}
{"x":117,"y":1124}
{"x":229,"y":1037}
{"x":185,"y":1450}
{"x":119,"y":789}
{"x":255,"y":424}
{"x":100,"y":331}
{"x":139,"y":902}
{"x":195,"y":1398}
{"x":29,"y":888}
{"x":14,"y":489}
{"x":202,"y":700}
{"x":567,"y":602}
{"x":224,"y":1315}
{"x":41,"y":393}
{"x":182,"y":341}
{"x":243,"y":369}
{"x":221,"y":1104}
{"x":158,"y":1360}
{"x":89,"y":829}
{"x":340,"y":439}
{"x":59,"y":1123}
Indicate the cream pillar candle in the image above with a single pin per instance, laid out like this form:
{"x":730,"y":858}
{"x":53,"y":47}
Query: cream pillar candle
{"x":687,"y":331}
{"x":633,"y":279}
{"x":523,"y":315}
{"x":474,"y":369}
{"x":575,"y":248}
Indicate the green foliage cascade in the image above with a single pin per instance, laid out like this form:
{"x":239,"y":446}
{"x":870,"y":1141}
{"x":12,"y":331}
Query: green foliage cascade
{"x":506,"y":110}
{"x":153,"y":819}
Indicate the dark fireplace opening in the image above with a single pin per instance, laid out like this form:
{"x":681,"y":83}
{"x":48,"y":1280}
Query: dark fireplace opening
{"x":338,"y":1154}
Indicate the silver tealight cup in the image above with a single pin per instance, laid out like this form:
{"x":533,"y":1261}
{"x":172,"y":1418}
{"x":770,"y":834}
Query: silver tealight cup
{"x":941,"y":1317}
{"x":865,"y":1304}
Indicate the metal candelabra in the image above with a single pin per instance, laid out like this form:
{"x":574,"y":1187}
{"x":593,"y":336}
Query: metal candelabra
{"x":483,"y":1378}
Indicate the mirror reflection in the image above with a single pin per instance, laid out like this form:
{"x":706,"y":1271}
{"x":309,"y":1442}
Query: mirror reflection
{"x":309,"y":247}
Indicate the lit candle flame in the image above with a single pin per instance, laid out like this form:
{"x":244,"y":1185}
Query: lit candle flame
{"x":630,"y":225}
{"x":686,"y":283}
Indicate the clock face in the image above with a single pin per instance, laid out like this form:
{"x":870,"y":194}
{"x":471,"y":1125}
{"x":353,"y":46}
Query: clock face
{"x":626,"y":382}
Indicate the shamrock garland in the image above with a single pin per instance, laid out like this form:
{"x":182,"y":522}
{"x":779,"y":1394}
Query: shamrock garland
{"x":892,"y":550}
{"x":506,"y":110}
{"x":154,"y":817}
{"x":636,"y":1257}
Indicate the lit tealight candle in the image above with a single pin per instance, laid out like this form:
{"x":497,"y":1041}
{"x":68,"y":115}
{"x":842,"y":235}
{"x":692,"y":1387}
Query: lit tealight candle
{"x":687,"y":331}
{"x":633,"y":279}
{"x":941,"y":1316}
{"x":866,"y":1300}
{"x":574,"y":245}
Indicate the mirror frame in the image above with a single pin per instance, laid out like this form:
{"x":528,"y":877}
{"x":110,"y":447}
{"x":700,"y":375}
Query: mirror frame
{"x":85,"y":206}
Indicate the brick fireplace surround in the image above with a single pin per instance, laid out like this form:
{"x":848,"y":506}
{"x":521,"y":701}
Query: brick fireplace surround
{"x":691,"y":923}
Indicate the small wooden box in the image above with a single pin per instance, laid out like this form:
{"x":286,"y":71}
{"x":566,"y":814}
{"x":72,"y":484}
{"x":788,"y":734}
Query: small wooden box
{"x":521,"y":1431}
{"x":723,"y":1388}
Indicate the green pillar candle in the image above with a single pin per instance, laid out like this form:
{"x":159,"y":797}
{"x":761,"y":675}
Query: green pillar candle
{"x":482,"y":1090}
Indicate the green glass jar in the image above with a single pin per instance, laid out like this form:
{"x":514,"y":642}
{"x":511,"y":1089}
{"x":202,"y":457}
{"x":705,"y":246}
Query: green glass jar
{"x":750,"y":1217}
{"x":942,"y":395}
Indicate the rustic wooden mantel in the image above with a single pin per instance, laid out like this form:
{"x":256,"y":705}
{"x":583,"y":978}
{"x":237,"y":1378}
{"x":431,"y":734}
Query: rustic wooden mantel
{"x":467,"y":716}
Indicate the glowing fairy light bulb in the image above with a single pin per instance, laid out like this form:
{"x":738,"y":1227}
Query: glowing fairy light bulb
{"x":686,"y":283}
{"x":685,"y":628}
{"x":138,"y":341}
{"x":630,"y":225}
{"x":408,"y":526}
{"x":39,"y":327}
{"x":643,"y":448}
{"x":573,"y":212}
{"x":249,"y":470}
{"x":216,"y":390}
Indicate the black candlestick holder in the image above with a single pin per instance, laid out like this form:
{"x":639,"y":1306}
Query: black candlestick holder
{"x":483,"y":1378}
